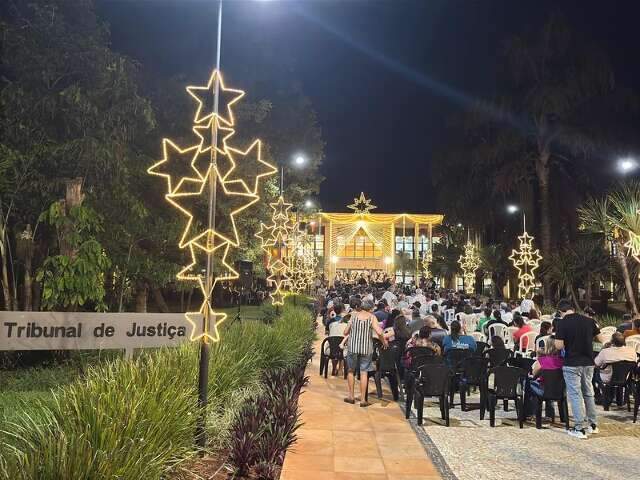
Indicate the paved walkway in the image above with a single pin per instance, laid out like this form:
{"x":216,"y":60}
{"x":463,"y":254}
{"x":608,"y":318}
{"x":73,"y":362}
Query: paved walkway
{"x":339,"y":441}
{"x":506,"y":451}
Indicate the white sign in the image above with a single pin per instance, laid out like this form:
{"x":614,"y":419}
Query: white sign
{"x":91,"y":331}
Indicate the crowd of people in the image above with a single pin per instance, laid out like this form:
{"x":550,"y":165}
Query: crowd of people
{"x":440,"y":320}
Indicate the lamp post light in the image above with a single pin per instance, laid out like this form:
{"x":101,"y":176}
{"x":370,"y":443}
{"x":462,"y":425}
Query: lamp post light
{"x":627,"y":165}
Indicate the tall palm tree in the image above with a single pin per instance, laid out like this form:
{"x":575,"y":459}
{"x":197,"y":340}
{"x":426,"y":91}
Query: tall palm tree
{"x":609,"y":216}
{"x":591,"y":262}
{"x":445,"y":262}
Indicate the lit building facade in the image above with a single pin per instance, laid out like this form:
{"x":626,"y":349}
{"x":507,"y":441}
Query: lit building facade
{"x":377,"y":245}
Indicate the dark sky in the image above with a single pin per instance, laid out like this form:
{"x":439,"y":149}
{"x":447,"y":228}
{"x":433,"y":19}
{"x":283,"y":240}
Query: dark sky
{"x":384,"y":75}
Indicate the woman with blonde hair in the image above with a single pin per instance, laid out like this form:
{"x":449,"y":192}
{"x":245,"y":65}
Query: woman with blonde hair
{"x":548,"y":359}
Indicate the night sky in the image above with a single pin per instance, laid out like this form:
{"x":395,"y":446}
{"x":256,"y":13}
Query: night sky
{"x":383,"y":76}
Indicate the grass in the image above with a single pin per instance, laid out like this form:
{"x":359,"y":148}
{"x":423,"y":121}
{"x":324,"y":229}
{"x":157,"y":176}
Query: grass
{"x":136,"y":419}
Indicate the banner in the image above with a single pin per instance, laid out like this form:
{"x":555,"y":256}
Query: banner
{"x":91,"y":331}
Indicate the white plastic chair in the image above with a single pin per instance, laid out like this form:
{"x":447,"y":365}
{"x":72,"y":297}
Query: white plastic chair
{"x":541,"y":344}
{"x":607,"y":332}
{"x":449,"y":315}
{"x":529,"y":339}
{"x":535,"y":324}
{"x":502,"y":331}
{"x":633,"y":341}
{"x":478,"y":336}
{"x":546,"y":318}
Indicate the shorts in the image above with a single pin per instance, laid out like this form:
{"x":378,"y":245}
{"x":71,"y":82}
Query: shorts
{"x":358,"y":359}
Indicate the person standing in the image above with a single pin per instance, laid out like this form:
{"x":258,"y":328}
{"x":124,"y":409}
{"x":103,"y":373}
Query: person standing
{"x":360,"y":347}
{"x":575,"y":334}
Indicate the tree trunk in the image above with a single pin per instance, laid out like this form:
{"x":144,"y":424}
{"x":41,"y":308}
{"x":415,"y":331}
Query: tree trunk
{"x":73,"y":198}
{"x":27,"y":284}
{"x":589,"y":290}
{"x":542,"y":170}
{"x":574,"y":298}
{"x":622,"y":261}
{"x":37,"y":292}
{"x":159,"y":300}
{"x":6,"y":286}
{"x":142,"y":293}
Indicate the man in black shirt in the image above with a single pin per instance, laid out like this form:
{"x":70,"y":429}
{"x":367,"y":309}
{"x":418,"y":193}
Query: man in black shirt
{"x":575,"y":334}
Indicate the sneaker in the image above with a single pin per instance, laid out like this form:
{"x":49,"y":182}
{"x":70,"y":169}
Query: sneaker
{"x":593,"y":428}
{"x":577,"y":433}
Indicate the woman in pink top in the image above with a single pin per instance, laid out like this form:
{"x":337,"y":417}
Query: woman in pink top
{"x":547,"y":360}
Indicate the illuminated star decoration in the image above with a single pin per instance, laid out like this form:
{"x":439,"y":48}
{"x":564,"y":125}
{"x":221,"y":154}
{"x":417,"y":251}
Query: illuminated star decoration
{"x":633,"y":244}
{"x":469,"y":263}
{"x":427,"y":258}
{"x":526,"y":260}
{"x":273,"y":240}
{"x":361,"y":205}
{"x":302,"y":262}
{"x":235,"y":174}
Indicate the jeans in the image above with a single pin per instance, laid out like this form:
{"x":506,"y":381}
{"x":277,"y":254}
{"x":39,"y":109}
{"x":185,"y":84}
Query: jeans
{"x":580,"y":394}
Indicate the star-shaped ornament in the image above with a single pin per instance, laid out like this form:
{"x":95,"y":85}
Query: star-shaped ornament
{"x":633,"y":245}
{"x":197,"y":269}
{"x":176,"y":165}
{"x":194,"y":205}
{"x":209,"y":320}
{"x":253,"y":168}
{"x":226,"y":98}
{"x":361,"y":205}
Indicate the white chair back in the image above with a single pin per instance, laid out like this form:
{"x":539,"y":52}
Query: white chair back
{"x":535,"y":324}
{"x":633,"y":341}
{"x":541,"y":344}
{"x":502,"y":331}
{"x":607,"y":332}
{"x":528,"y":344}
{"x":449,"y":315}
{"x":478,"y":336}
{"x":546,"y":318}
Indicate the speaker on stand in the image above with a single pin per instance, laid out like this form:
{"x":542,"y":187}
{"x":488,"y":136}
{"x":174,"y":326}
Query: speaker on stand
{"x":244,"y":282}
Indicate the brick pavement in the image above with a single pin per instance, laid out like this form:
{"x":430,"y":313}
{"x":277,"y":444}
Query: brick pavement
{"x":339,"y":441}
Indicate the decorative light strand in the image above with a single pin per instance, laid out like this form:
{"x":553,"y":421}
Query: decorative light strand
{"x":526,"y":261}
{"x":469,"y":263}
{"x":189,"y":179}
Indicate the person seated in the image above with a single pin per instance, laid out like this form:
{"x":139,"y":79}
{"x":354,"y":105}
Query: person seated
{"x":497,"y":319}
{"x":421,"y":340}
{"x":416,"y":322}
{"x":338,"y":323}
{"x":484,"y":319}
{"x":437,"y":332}
{"x":522,"y":329}
{"x":633,"y":331}
{"x":400,"y":331}
{"x":627,"y":323}
{"x":497,"y":343}
{"x":545,"y":330}
{"x":616,"y":351}
{"x":457,"y":340}
{"x":382,"y":313}
{"x":547,"y":359}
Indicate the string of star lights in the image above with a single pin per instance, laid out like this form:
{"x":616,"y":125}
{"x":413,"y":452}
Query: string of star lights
{"x":469,"y":263}
{"x":205,"y":170}
{"x":526,"y":261}
{"x":273,"y":240}
{"x":427,"y":258}
{"x":633,"y":244}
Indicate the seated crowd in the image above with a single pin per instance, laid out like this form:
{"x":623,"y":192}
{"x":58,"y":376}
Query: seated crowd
{"x":445,"y":322}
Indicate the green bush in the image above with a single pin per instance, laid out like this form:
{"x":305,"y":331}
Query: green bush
{"x":136,"y":419}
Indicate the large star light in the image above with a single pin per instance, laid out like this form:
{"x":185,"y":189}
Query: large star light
{"x":361,"y":205}
{"x":469,"y":263}
{"x":212,"y":167}
{"x":526,"y":261}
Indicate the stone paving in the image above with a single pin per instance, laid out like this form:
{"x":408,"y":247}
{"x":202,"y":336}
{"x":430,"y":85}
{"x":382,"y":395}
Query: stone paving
{"x":339,"y":441}
{"x":473,"y":450}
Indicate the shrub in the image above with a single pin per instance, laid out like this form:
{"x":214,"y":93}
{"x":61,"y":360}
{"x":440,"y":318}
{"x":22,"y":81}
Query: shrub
{"x":136,"y":419}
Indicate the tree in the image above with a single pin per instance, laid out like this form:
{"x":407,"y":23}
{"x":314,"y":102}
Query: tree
{"x":611,"y":217}
{"x":538,"y":135}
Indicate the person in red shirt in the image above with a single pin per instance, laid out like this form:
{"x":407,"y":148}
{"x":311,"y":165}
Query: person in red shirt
{"x":523,"y":328}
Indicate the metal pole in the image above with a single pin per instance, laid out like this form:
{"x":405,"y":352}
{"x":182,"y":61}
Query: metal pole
{"x":205,"y":348}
